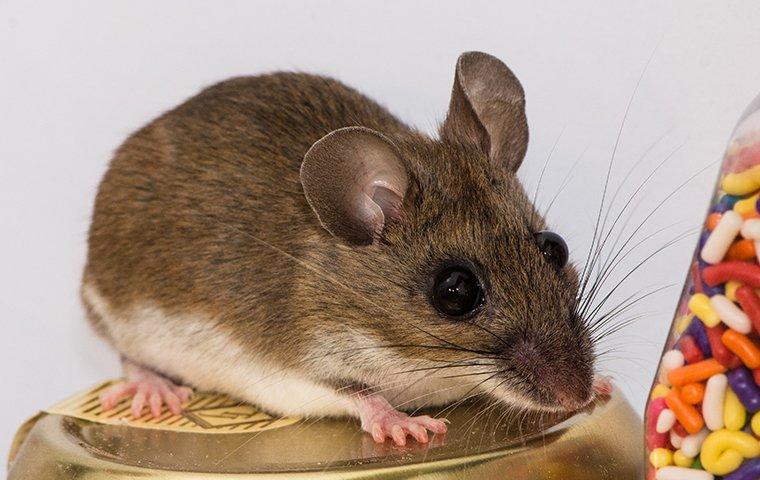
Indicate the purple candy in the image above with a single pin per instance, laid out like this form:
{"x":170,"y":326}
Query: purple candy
{"x":749,"y":470}
{"x":743,"y":385}
{"x":697,"y":330}
{"x":703,"y":239}
{"x":710,"y":291}
{"x":720,"y":208}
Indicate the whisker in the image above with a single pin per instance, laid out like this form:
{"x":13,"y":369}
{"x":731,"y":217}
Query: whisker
{"x":627,"y":203}
{"x":642,"y":263}
{"x":543,"y":171}
{"x":565,"y":181}
{"x":608,"y":174}
{"x":662,"y":203}
{"x":455,"y":365}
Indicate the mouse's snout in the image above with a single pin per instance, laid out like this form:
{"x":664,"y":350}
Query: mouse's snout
{"x":554,"y":377}
{"x":571,"y":398}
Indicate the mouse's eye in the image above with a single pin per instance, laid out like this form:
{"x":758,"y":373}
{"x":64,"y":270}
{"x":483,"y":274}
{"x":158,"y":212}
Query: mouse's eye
{"x":457,"y":291}
{"x":553,"y":248}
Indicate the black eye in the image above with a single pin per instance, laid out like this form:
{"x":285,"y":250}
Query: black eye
{"x":553,"y":248}
{"x":457,"y":291}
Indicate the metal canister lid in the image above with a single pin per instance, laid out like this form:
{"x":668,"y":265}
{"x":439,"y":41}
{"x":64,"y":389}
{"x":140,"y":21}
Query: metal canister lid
{"x":217,"y":437}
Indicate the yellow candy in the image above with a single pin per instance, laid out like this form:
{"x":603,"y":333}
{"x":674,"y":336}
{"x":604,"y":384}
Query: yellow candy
{"x":661,"y":457}
{"x":660,"y":390}
{"x":747,"y":205}
{"x":734,"y":413}
{"x":742,"y":183}
{"x":731,"y":287}
{"x":683,"y":323}
{"x":699,"y":303}
{"x":755,"y":424}
{"x":723,"y":451}
{"x":682,"y":460}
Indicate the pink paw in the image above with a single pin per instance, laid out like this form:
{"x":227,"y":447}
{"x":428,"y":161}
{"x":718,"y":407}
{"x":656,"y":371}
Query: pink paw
{"x":381,"y":420}
{"x":398,"y":426}
{"x":146,"y":389}
{"x":602,"y":385}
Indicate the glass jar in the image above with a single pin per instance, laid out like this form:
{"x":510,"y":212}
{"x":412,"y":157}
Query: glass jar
{"x":702,"y":419}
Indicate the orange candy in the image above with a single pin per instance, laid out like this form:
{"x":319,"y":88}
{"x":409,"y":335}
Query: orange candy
{"x":688,"y":416}
{"x":693,"y":393}
{"x":743,"y":347}
{"x":695,"y":372}
{"x":712,"y":221}
{"x":741,"y":250}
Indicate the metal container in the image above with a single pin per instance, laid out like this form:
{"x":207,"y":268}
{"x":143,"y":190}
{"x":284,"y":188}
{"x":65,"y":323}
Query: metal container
{"x":217,"y":438}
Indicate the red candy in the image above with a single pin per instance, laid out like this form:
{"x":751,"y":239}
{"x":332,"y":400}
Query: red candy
{"x":697,"y":279}
{"x":691,"y":351}
{"x":747,"y":273}
{"x":651,"y":473}
{"x":654,"y":439}
{"x":756,"y":376}
{"x":750,"y":303}
{"x":680,"y":431}
{"x":722,"y":354}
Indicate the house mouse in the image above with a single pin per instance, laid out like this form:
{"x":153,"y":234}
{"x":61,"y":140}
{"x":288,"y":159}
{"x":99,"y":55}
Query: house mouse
{"x":287,"y":241}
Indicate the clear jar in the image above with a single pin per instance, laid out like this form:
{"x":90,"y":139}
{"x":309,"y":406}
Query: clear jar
{"x":702,"y":420}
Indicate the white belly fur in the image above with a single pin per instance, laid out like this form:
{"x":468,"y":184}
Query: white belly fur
{"x":191,"y":347}
{"x":194,"y":349}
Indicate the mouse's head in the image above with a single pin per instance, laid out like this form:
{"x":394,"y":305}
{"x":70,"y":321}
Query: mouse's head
{"x":444,"y":266}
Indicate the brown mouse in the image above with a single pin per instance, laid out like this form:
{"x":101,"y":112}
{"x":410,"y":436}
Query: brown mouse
{"x":286,"y":240}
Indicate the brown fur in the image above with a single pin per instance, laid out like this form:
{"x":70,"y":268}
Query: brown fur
{"x":201,"y":210}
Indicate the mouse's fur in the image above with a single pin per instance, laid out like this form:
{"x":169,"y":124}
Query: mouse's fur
{"x":208,"y":264}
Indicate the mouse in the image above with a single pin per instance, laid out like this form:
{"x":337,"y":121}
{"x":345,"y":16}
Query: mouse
{"x":286,"y":240}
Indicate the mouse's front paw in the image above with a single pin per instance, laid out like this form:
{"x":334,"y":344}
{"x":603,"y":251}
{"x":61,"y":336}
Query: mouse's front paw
{"x":382,"y":421}
{"x":399,"y":425}
{"x":602,"y":385}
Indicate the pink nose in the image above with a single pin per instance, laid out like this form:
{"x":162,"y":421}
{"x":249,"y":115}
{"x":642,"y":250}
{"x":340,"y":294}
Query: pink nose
{"x":569,"y":401}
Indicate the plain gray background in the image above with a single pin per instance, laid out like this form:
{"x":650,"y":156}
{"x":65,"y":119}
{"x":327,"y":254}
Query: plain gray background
{"x":77,"y":77}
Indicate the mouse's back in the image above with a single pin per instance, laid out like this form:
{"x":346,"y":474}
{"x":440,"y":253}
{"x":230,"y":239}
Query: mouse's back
{"x":183,"y":196}
{"x":280,"y":114}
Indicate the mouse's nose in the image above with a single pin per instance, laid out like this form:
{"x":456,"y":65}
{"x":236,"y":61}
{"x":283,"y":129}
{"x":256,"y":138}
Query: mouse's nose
{"x":570,"y":399}
{"x":559,"y":380}
{"x":569,"y":390}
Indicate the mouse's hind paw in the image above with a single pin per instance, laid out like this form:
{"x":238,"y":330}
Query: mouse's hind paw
{"x":147,"y":389}
{"x":381,"y":420}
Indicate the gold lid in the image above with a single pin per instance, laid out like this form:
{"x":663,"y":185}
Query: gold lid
{"x":220,"y":438}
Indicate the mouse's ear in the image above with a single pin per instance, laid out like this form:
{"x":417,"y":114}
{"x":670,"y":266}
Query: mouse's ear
{"x":487,"y":109}
{"x":354,"y":180}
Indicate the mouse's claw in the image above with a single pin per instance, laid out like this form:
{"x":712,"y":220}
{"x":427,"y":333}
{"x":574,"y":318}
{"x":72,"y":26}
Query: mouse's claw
{"x":382,"y":421}
{"x":147,"y":389}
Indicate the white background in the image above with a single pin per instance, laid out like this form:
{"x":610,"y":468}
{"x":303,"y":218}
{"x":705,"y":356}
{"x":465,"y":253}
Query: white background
{"x":77,"y":77}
